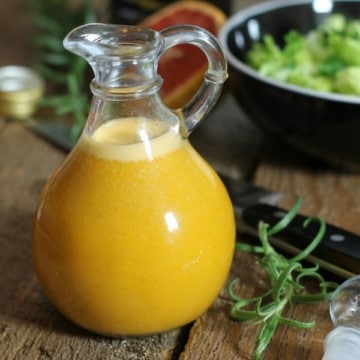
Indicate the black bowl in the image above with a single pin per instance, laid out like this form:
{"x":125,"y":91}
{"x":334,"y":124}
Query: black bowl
{"x":321,"y":124}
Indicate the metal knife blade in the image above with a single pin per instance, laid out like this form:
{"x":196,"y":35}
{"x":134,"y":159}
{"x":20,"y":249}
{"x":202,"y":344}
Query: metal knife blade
{"x":338,"y":252}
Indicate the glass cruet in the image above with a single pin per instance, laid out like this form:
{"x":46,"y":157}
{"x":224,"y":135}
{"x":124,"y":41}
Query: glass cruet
{"x":134,"y":233}
{"x":343,"y":342}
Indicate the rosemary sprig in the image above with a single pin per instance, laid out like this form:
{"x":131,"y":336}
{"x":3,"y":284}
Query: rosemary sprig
{"x":286,"y":276}
{"x":66,"y":73}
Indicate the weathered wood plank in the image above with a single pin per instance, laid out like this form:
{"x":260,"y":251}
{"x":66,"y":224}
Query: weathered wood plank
{"x":2,"y":124}
{"x":16,"y":33}
{"x":328,"y":192}
{"x":216,"y":336}
{"x":29,"y":326}
{"x":228,"y":139}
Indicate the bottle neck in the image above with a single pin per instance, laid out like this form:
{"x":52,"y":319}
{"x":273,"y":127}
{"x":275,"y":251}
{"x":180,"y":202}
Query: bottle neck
{"x":129,"y":91}
{"x":125,"y":72}
{"x":142,"y":102}
{"x":120,"y":56}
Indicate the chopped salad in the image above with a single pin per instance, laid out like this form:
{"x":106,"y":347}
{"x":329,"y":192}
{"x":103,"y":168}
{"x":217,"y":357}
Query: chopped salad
{"x":324,"y":59}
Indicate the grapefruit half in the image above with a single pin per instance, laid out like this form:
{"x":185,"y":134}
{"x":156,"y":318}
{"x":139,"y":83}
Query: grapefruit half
{"x":182,"y":67}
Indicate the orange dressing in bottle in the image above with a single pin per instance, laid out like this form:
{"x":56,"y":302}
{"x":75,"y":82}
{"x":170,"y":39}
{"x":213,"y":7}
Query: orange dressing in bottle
{"x":134,"y":233}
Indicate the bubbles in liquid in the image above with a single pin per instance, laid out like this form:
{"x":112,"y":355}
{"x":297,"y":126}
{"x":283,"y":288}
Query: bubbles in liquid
{"x":128,"y":131}
{"x":132,"y":139}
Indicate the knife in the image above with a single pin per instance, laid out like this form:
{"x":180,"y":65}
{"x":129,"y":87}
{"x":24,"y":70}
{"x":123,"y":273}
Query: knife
{"x":338,"y":251}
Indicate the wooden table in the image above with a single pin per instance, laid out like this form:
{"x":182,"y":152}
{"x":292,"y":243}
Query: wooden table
{"x":30,"y":328}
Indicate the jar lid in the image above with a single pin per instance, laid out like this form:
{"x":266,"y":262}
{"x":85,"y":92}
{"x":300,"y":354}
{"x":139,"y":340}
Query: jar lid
{"x":20,"y":90}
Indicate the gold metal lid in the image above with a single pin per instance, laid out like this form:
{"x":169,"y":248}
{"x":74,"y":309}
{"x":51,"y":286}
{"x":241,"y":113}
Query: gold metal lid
{"x":20,"y":90}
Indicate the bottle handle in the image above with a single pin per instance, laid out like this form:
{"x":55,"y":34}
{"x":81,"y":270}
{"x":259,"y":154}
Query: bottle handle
{"x":206,"y":97}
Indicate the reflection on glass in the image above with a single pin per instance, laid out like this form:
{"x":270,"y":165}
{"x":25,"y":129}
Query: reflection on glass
{"x":254,"y":29}
{"x":239,"y":39}
{"x":144,"y":136}
{"x":171,"y":221}
{"x":322,"y":6}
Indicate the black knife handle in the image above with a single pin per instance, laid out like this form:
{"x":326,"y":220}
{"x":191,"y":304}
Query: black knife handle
{"x":338,"y":252}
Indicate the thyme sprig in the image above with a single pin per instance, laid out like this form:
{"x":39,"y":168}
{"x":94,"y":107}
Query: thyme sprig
{"x":286,"y":276}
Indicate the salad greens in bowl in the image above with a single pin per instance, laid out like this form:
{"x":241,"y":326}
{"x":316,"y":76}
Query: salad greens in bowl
{"x":295,"y":70}
{"x":326,"y":58}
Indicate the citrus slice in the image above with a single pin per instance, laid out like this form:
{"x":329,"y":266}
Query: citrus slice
{"x":182,"y":66}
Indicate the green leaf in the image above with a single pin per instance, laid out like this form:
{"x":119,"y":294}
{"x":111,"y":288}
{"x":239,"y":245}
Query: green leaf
{"x":296,"y":323}
{"x":311,"y":247}
{"x":249,"y":248}
{"x":66,"y":73}
{"x":282,"y":285}
{"x":49,"y":42}
{"x":55,"y":100}
{"x":240,"y":314}
{"x":265,"y":335}
{"x":285,"y":221}
{"x":51,"y":74}
{"x":287,"y":286}
{"x":54,"y":58}
{"x":48,"y":23}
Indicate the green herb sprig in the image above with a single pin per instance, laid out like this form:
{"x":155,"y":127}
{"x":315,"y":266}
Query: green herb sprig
{"x":67,"y":74}
{"x":286,"y":276}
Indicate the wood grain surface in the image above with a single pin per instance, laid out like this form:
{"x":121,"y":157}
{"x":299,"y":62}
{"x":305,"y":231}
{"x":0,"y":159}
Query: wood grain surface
{"x":30,"y":328}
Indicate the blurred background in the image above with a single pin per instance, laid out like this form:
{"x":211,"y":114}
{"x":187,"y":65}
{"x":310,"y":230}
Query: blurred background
{"x":27,"y":27}
{"x":17,"y":25}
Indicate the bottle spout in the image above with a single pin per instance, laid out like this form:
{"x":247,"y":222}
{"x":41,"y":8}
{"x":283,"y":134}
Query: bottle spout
{"x":114,"y":51}
{"x":125,"y":58}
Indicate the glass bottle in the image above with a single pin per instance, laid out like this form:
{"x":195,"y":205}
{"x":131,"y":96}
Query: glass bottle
{"x":134,"y":233}
{"x":344,"y":341}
